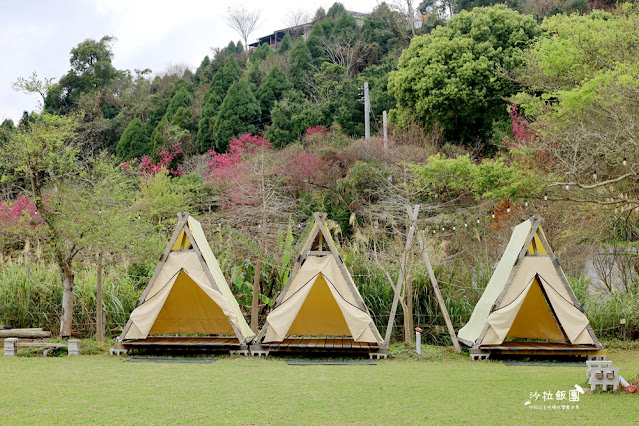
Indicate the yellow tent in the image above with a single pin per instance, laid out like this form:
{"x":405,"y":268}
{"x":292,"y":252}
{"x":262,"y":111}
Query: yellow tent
{"x":320,"y":297}
{"x":187,"y":294}
{"x":528,"y":297}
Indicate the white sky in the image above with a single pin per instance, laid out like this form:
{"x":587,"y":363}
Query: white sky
{"x":38,"y":35}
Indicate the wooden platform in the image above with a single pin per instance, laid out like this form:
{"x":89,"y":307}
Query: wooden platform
{"x":328,"y":345}
{"x":203,"y":344}
{"x":536,"y":349}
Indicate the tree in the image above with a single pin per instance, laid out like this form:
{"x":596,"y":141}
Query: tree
{"x":239,"y":113}
{"x":134,"y":141}
{"x":301,"y":65}
{"x":222,"y":81}
{"x":454,"y":76}
{"x":577,"y":119}
{"x":272,"y":89}
{"x":290,"y":118}
{"x":243,"y":21}
{"x":91,"y":69}
{"x":69,"y":196}
{"x":286,"y":44}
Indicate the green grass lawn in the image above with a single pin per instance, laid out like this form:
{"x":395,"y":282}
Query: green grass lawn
{"x":443,"y":387}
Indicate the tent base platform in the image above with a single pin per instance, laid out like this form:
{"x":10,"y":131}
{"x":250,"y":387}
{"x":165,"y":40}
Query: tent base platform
{"x":201,"y":344}
{"x":537,"y":349}
{"x":321,"y":346}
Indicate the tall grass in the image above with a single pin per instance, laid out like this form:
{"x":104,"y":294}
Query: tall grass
{"x":31,"y":296}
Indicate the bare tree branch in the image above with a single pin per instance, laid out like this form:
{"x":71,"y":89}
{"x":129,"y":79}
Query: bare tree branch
{"x":243,"y":21}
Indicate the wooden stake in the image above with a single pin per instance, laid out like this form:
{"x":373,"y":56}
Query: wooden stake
{"x":412,"y":215}
{"x":385,"y":120}
{"x":256,"y":286}
{"x":367,"y":113}
{"x":438,"y":294}
{"x":99,"y":323}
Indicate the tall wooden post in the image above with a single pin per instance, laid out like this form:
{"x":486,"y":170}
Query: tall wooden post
{"x":385,"y":120}
{"x":438,"y":294}
{"x":255,"y":304}
{"x":367,"y":113}
{"x":412,"y":216}
{"x":99,"y":320}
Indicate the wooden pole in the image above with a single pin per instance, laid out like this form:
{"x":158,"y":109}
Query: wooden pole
{"x":438,"y":294}
{"x":255,"y":304}
{"x":99,"y":323}
{"x":385,"y":120}
{"x":367,"y":113}
{"x":412,"y":215}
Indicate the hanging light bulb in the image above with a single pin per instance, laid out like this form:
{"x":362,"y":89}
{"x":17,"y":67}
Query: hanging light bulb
{"x":454,"y":228}
{"x":545,"y":197}
{"x":508,"y":209}
{"x":492,"y":214}
{"x":477,"y":221}
{"x":443,"y":229}
{"x":567,"y":187}
{"x":594,"y":174}
{"x":625,"y":161}
{"x":526,"y":204}
{"x":465,"y":224}
{"x":433,"y":231}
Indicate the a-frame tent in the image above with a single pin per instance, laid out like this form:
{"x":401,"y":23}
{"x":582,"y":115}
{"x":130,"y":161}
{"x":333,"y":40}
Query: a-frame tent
{"x":188,"y":302}
{"x":528,"y":306}
{"x":320,"y":308}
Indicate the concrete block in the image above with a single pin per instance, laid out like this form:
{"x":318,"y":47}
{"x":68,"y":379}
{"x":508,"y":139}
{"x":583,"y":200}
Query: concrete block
{"x":604,"y":377}
{"x":596,"y":364}
{"x":74,"y":347}
{"x":11,"y":346}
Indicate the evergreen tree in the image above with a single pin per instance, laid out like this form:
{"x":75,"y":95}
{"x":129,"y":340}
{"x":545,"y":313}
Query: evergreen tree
{"x":239,"y":48}
{"x":220,"y":84}
{"x":272,"y":89}
{"x":134,"y":141}
{"x":181,"y":98}
{"x":261,"y":52}
{"x":286,"y":44}
{"x":291,"y":117}
{"x":239,"y":113}
{"x":300,"y":65}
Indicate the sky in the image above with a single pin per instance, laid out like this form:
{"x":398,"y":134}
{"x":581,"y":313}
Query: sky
{"x":38,"y":35}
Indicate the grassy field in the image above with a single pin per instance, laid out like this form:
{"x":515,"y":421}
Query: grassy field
{"x":443,"y":387}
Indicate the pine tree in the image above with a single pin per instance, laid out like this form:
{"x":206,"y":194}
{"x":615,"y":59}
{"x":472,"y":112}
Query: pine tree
{"x":220,"y":84}
{"x":300,"y":65}
{"x":272,"y":89}
{"x":133,"y":142}
{"x":286,"y":44}
{"x":238,"y":114}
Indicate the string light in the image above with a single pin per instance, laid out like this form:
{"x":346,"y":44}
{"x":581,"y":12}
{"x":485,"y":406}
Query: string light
{"x":545,"y":197}
{"x":433,"y":231}
{"x":465,"y":224}
{"x":477,"y":221}
{"x":594,"y":174}
{"x":625,"y":161}
{"x":492,"y":214}
{"x":567,"y":187}
{"x":508,"y":210}
{"x":454,"y":228}
{"x":526,"y":204}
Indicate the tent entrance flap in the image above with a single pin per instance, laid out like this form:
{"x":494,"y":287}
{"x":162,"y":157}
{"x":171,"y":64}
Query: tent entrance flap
{"x":535,"y":318}
{"x":189,"y":310}
{"x":320,"y":315}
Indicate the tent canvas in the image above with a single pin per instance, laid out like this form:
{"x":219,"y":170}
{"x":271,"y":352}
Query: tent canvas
{"x":528,"y":297}
{"x":187,"y":294}
{"x":320,"y":297}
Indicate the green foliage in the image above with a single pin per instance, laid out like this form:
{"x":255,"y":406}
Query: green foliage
{"x":161,"y":198}
{"x":222,"y":81}
{"x":290,"y":118}
{"x":261,"y":52}
{"x":490,"y":179}
{"x":239,"y":113}
{"x":300,"y":67}
{"x":286,"y":44}
{"x":6,"y":128}
{"x":91,"y":70}
{"x":134,"y":141}
{"x":271,"y":90}
{"x":452,"y":76}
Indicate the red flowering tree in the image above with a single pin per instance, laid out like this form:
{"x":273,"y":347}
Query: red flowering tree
{"x":146,"y":166}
